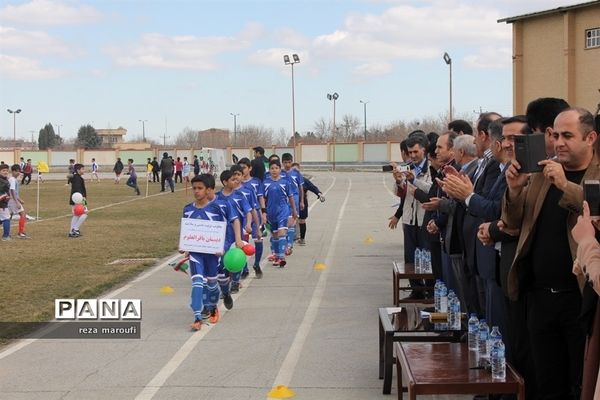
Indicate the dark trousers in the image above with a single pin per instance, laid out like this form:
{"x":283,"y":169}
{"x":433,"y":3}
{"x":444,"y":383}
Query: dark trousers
{"x":516,"y":340}
{"x":414,"y":236}
{"x":178,"y":175}
{"x":26,"y":177}
{"x":155,"y":176}
{"x":557,"y":343}
{"x":169,"y":179}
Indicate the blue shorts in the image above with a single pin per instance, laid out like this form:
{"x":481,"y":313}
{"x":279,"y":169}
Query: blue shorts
{"x":204,"y":265}
{"x":278,"y":222}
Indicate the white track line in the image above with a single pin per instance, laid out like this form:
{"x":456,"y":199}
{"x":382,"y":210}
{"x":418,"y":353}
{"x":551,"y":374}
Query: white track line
{"x":288,"y":366}
{"x":185,"y":350}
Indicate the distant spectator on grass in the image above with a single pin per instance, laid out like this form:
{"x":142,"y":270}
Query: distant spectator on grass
{"x":118,"y":170}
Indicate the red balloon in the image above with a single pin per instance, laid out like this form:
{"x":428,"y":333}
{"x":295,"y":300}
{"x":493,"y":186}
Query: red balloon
{"x":249,"y":250}
{"x":78,"y":210}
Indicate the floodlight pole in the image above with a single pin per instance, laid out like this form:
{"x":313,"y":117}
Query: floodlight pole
{"x":333,"y":97}
{"x":295,"y":60}
{"x":14,"y":113}
{"x":448,"y":61}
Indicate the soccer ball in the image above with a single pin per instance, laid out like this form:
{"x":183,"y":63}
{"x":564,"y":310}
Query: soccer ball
{"x":77,"y":198}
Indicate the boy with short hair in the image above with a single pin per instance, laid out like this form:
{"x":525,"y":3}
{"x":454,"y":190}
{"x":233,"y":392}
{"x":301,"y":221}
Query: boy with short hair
{"x":77,"y":186}
{"x":4,"y":196}
{"x":250,"y":196}
{"x":204,"y":267}
{"x":27,"y":171}
{"x":278,"y":198}
{"x":15,"y":204}
{"x":297,"y":181}
{"x":240,"y":206}
{"x":186,"y":170}
{"x":132,"y":181}
{"x":254,"y":184}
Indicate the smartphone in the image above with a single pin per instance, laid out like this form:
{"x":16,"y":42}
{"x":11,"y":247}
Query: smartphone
{"x":529,"y":150}
{"x":591,"y":194}
{"x":387,"y":168}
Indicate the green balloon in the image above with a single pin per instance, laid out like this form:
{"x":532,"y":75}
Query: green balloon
{"x":234,"y":260}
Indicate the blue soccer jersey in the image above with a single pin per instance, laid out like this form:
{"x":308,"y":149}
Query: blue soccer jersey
{"x":296,"y":180}
{"x":249,"y":194}
{"x":239,"y":204}
{"x":276,"y":197}
{"x":258,"y":187}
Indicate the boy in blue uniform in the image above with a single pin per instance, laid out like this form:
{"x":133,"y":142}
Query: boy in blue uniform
{"x":203,"y":267}
{"x":256,"y":185}
{"x":297,"y":181}
{"x":278,"y":198}
{"x":250,"y":195}
{"x":242,"y":209}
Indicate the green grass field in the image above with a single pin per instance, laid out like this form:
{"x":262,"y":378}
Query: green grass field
{"x":50,"y":265}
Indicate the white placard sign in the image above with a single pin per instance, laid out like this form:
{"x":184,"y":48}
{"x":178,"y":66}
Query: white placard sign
{"x":202,"y":236}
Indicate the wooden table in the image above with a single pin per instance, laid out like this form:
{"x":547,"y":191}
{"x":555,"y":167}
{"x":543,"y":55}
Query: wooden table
{"x":447,"y":368}
{"x":407,"y":271}
{"x":405,"y":324}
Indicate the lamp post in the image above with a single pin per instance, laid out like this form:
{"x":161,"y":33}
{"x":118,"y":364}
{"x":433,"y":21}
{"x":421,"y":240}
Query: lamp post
{"x":14,"y":113}
{"x":234,"y":127}
{"x":143,"y":121}
{"x":365,"y":108}
{"x":333,"y":97}
{"x":287,"y":61}
{"x":448,"y":62}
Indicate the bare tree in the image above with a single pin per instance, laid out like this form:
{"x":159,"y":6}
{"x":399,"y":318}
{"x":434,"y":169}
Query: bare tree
{"x":349,"y":129}
{"x":187,"y":138}
{"x":253,"y":135}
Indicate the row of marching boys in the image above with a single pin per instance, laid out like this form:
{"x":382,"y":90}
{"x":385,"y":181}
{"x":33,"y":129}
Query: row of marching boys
{"x":250,"y":207}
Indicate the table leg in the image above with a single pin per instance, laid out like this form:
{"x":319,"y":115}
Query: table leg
{"x":381,"y":344}
{"x":388,"y":360}
{"x":412,"y":395}
{"x":521,"y":395}
{"x":395,"y":288}
{"x":399,"y":378}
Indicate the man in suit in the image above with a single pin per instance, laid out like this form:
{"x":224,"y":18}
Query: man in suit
{"x":544,"y":207}
{"x":483,"y":179}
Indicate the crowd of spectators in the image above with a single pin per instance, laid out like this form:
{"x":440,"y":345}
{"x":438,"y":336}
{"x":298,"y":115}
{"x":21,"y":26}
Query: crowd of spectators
{"x":506,"y":241}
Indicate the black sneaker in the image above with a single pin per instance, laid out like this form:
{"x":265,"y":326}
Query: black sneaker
{"x":245,"y":274}
{"x":228,"y":301}
{"x":258,"y":271}
{"x":235,"y":287}
{"x":205,"y":313}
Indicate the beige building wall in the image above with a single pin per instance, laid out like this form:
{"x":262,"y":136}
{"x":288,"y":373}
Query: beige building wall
{"x":550,"y":59}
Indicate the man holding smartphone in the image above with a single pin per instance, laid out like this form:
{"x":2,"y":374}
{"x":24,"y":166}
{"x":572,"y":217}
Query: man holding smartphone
{"x":415,"y":235}
{"x":544,"y":206}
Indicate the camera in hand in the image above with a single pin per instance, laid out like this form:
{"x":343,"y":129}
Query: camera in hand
{"x":591,"y":194}
{"x":529,"y":150}
{"x":387,"y":168}
{"x":403,"y":167}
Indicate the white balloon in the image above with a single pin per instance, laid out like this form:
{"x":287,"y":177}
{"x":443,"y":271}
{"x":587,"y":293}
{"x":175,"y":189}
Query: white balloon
{"x":77,"y":198}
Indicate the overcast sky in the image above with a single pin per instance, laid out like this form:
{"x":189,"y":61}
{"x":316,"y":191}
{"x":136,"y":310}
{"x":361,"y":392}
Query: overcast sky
{"x":179,"y":64}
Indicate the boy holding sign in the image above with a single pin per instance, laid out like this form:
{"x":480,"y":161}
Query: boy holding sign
{"x":205,"y":245}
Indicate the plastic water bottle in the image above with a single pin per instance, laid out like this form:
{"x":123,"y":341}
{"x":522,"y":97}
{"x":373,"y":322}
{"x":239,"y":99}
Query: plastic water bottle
{"x":484,"y":333}
{"x":427,"y":268}
{"x":498,"y":360}
{"x":492,"y":338}
{"x":443,"y":298}
{"x":453,"y":311}
{"x":418,"y":260}
{"x":437,"y":294}
{"x":473,"y":331}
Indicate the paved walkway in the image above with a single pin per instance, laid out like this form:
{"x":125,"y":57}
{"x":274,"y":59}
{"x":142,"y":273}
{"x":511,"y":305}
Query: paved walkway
{"x":312,"y":330}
